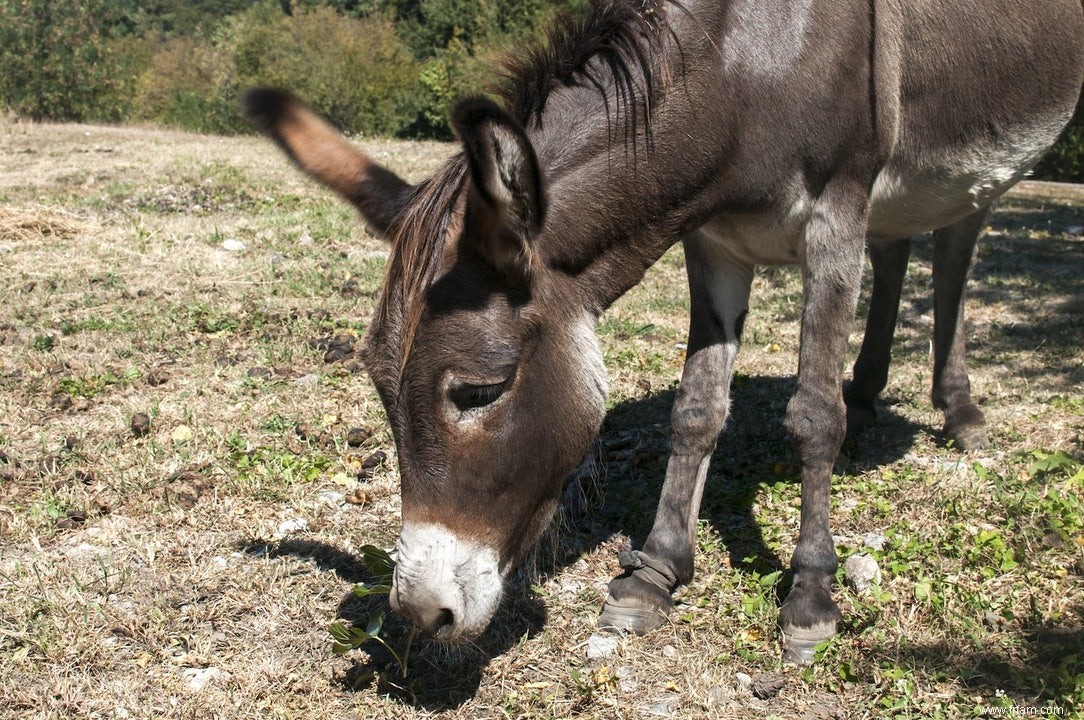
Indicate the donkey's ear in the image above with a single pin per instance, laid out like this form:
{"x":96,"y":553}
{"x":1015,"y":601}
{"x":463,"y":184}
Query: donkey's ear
{"x":506,"y":178}
{"x":322,"y":152}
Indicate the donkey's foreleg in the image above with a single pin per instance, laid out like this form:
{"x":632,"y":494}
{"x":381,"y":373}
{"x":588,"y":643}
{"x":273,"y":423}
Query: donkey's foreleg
{"x":816,"y":417}
{"x":953,"y":253}
{"x":889,"y":260}
{"x":639,"y":600}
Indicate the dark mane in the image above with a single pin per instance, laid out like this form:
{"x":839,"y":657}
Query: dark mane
{"x":616,"y":43}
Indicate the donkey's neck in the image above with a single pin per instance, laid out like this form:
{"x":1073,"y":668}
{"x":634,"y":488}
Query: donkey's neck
{"x":616,"y":206}
{"x":626,"y":174}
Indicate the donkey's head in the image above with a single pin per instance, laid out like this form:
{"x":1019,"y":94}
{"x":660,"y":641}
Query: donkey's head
{"x":485,"y":359}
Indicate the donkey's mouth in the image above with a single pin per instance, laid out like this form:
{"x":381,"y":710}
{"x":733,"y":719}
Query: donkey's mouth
{"x":448,"y":586}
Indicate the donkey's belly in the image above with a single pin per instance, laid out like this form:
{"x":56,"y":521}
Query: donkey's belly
{"x":913,"y":195}
{"x":904,"y":204}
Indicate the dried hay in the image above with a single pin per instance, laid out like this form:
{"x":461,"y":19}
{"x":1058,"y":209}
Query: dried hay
{"x":28,"y":224}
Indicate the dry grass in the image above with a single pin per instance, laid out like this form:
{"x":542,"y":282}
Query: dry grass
{"x":192,"y":571}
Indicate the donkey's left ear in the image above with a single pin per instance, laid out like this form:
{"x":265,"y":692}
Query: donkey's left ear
{"x":505,"y":173}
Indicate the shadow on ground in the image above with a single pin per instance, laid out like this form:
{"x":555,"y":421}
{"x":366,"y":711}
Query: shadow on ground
{"x":439,"y":676}
{"x":634,"y":446}
{"x":1045,"y":669}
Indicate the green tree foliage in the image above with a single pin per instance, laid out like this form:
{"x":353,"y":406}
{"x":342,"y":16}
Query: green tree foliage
{"x":1065,"y":161}
{"x":355,"y":71}
{"x":62,"y":60}
{"x":389,"y":67}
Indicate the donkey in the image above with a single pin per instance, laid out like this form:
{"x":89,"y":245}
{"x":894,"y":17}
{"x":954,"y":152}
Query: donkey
{"x":754,"y":131}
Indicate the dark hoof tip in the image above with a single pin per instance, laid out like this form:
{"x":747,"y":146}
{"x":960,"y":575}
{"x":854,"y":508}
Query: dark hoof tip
{"x":967,"y":439}
{"x":634,"y":606}
{"x":800,"y":644}
{"x":966,"y":429}
{"x":623,"y":619}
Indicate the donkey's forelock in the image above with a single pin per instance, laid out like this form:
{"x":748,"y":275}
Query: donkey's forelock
{"x":418,"y":238}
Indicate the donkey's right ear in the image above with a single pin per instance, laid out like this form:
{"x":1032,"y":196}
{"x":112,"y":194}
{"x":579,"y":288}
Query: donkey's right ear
{"x":322,"y":152}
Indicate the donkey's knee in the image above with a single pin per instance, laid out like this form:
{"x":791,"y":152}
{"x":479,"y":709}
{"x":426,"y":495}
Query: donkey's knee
{"x":697,"y":420}
{"x":817,"y":424}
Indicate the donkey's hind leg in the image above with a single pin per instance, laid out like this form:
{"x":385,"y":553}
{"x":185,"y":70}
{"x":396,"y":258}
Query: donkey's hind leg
{"x":953,"y":253}
{"x":639,"y":600}
{"x":889,"y":260}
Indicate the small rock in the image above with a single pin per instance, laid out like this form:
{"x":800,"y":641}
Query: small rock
{"x":332,"y":498}
{"x":661,"y":709}
{"x":743,"y":680}
{"x":668,"y":651}
{"x":716,"y":696}
{"x":181,"y":434}
{"x":874,"y":541}
{"x":861,"y":571}
{"x":307,"y":381}
{"x":1075,"y":229}
{"x":232,"y":245}
{"x":626,"y":679}
{"x":601,"y":646}
{"x":289,"y":527}
{"x":767,"y":685}
{"x":197,"y":678}
{"x":275,"y":258}
{"x":6,"y":249}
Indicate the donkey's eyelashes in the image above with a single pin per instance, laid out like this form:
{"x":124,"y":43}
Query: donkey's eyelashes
{"x":472,"y":397}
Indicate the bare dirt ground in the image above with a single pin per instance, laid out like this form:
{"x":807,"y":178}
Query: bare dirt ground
{"x":190,"y":458}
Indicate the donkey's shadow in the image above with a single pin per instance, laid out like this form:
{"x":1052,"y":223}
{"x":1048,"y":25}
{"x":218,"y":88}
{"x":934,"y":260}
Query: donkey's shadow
{"x":631,"y":462}
{"x":753,"y":450}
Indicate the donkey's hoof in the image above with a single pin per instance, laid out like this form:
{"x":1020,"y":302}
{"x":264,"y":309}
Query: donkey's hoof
{"x":799,"y":644}
{"x":634,"y":606}
{"x":966,"y":428}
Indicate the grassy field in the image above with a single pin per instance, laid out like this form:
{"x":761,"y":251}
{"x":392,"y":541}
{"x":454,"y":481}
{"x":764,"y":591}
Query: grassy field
{"x":191,"y":458}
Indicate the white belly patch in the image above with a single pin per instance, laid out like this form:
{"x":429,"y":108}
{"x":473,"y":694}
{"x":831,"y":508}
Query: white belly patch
{"x":916,"y":195}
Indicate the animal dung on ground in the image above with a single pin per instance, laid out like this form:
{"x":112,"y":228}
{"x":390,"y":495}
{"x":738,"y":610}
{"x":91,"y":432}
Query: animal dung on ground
{"x":140,"y":424}
{"x":357,"y":436}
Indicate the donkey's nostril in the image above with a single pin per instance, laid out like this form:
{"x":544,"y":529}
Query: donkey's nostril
{"x":445,"y":623}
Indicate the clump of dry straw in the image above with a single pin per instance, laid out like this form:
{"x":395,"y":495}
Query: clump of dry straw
{"x":27,"y":224}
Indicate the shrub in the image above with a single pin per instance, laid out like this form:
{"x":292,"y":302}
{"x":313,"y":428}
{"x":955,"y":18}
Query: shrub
{"x":187,"y":85}
{"x":1065,"y":161}
{"x":354,"y":71}
{"x":60,"y":60}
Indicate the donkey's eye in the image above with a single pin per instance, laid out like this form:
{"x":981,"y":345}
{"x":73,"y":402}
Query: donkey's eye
{"x":470,"y":397}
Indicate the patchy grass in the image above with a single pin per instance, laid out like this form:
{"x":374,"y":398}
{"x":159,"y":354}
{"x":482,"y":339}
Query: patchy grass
{"x":191,"y":462}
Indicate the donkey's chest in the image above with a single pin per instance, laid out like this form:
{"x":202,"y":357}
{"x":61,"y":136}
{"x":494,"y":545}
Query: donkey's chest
{"x":771,"y":237}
